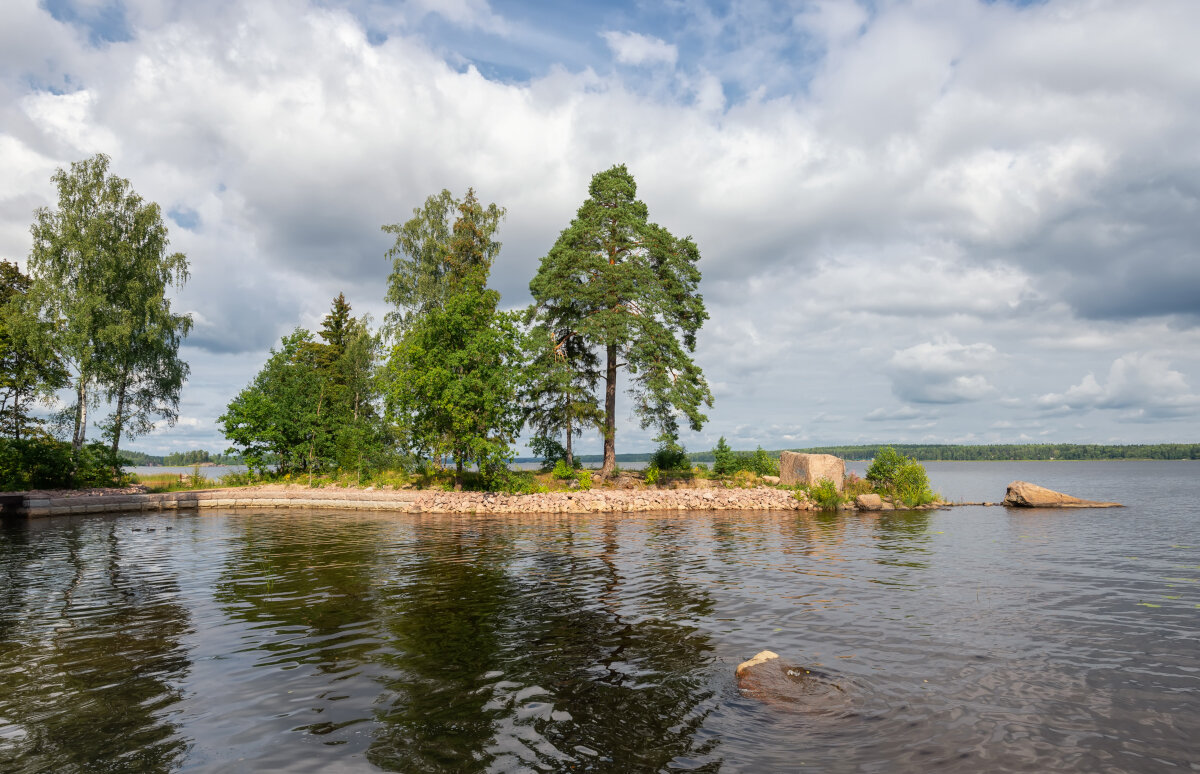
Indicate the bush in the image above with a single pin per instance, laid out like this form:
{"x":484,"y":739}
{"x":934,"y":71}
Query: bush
{"x":561,"y":471}
{"x":901,"y":477}
{"x":670,"y":456}
{"x":764,"y":464}
{"x":744,"y":479}
{"x":825,"y":494}
{"x":585,"y":480}
{"x":652,"y":473}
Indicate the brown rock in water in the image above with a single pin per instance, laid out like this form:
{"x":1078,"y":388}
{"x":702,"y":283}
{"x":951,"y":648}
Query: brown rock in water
{"x":773,"y":681}
{"x":1022,"y":494}
{"x":869,"y":502}
{"x":796,"y":468}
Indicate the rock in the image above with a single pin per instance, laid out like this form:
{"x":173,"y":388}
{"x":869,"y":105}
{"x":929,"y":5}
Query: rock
{"x":775,"y":682}
{"x":796,"y":468}
{"x":1022,"y":494}
{"x":761,"y":657}
{"x":770,"y":479}
{"x":869,"y":502}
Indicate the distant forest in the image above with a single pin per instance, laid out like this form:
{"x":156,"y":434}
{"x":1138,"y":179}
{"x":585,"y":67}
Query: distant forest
{"x":930,"y":452}
{"x":196,"y":457}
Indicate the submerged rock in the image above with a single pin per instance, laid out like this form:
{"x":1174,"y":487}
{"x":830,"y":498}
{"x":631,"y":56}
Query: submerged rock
{"x":773,"y":681}
{"x":1022,"y":494}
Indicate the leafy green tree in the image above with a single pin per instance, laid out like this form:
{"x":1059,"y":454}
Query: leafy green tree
{"x":422,"y":257}
{"x":559,"y":389}
{"x":30,"y":371}
{"x":313,"y":406}
{"x":101,"y":272}
{"x":628,"y":287}
{"x":275,"y":418}
{"x":453,"y":374}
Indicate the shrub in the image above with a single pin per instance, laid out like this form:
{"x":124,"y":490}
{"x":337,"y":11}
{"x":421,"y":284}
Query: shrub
{"x":853,"y":486}
{"x":652,"y":473}
{"x":561,"y":471}
{"x":744,"y":479}
{"x":825,"y":494}
{"x":901,"y":477}
{"x":670,"y":456}
{"x":585,"y":480}
{"x":764,"y":464}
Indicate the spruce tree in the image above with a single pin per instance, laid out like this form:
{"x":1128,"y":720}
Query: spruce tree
{"x":628,"y":288}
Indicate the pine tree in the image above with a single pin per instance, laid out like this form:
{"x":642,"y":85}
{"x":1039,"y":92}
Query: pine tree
{"x":626,"y":286}
{"x":559,"y":390}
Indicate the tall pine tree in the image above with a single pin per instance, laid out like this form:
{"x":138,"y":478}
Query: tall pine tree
{"x":628,"y":288}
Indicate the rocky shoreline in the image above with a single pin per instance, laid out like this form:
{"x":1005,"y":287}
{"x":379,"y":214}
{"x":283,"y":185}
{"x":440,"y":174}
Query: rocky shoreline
{"x":600,"y":500}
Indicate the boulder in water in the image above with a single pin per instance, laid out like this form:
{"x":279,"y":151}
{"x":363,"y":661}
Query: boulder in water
{"x":1022,"y":494}
{"x":773,"y":681}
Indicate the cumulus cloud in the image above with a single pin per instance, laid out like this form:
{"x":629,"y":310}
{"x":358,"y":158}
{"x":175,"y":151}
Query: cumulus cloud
{"x":634,"y":48}
{"x":942,"y":371}
{"x":1142,"y":387}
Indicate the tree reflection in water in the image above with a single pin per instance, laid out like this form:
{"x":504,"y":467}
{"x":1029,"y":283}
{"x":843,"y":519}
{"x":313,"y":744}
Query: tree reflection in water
{"x":90,"y":650}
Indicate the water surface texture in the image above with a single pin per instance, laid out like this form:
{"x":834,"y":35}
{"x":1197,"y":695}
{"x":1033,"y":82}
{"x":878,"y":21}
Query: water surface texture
{"x":978,"y":639}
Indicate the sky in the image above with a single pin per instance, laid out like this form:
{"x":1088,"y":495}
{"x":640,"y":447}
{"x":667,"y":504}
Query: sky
{"x":937,"y":221}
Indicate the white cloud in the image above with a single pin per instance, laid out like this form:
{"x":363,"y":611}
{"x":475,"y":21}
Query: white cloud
{"x":1142,"y":387}
{"x":942,"y":371}
{"x":634,"y":48}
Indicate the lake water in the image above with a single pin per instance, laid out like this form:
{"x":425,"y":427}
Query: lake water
{"x":975,"y":639}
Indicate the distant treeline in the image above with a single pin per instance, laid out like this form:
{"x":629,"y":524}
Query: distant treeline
{"x":1018,"y":451}
{"x":195,"y":457}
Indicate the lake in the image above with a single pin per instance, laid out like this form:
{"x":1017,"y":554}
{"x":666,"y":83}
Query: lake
{"x":966,"y":640}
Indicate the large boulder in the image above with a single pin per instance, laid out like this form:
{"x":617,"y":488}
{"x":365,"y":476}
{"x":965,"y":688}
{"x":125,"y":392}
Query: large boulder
{"x":796,"y":468}
{"x":869,"y":502}
{"x":1022,"y":494}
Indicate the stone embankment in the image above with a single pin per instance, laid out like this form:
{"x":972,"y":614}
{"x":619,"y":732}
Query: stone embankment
{"x":41,"y":504}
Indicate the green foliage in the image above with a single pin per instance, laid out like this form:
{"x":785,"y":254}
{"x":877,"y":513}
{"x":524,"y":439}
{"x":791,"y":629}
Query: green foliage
{"x":312,"y":408}
{"x":585,"y":480}
{"x":885,"y":467}
{"x":44,"y":463}
{"x":30,"y":370}
{"x":424,"y":260}
{"x":101,"y":275}
{"x":652,"y":474}
{"x":825,"y":494}
{"x":562,"y":471}
{"x":670,"y":456}
{"x":558,"y":392}
{"x":625,"y":285}
{"x":894,"y":474}
{"x":763,"y":463}
{"x":724,"y":462}
{"x":549,"y":450}
{"x":452,"y":377}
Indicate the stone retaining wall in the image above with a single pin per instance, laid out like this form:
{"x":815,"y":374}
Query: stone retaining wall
{"x":409,"y":501}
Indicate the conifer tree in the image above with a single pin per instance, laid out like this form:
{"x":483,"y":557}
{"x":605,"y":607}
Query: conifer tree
{"x":628,"y":288}
{"x":558,"y":393}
